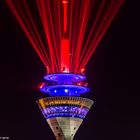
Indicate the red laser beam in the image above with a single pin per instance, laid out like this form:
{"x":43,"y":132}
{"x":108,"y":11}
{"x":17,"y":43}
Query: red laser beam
{"x":106,"y":21}
{"x":68,"y":31}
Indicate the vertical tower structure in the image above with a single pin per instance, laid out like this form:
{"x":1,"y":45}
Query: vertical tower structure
{"x":64,"y":109}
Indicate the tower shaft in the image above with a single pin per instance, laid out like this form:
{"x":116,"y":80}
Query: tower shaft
{"x":64,"y":128}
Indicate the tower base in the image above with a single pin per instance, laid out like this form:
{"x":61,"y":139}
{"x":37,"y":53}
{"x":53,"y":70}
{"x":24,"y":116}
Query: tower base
{"x":64,"y":128}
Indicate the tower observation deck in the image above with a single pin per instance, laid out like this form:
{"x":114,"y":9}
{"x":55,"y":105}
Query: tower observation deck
{"x":64,"y":109}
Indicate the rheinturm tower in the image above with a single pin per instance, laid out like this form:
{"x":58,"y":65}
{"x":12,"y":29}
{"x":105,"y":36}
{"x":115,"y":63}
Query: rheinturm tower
{"x":64,"y":34}
{"x":64,"y":109}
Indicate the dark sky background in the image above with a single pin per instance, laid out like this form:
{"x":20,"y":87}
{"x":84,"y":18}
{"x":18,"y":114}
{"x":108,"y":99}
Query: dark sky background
{"x":113,"y":76}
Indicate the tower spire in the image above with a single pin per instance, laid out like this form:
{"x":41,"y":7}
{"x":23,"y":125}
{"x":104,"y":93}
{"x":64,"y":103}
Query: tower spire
{"x":65,"y":43}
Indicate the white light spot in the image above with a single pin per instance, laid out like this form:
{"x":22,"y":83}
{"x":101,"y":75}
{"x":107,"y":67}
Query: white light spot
{"x":66,"y":90}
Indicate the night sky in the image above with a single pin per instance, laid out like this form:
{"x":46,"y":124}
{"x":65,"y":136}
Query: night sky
{"x":112,"y":72}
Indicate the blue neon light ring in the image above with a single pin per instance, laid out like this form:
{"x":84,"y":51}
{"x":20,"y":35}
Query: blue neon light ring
{"x":64,"y":115}
{"x":67,"y":77}
{"x":64,"y":90}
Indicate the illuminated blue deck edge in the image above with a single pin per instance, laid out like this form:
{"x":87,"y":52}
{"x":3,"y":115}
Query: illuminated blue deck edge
{"x":64,"y":90}
{"x":65,"y":111}
{"x":66,"y":76}
{"x":65,"y":115}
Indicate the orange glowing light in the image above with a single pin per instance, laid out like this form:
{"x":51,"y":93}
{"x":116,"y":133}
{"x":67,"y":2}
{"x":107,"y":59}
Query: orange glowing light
{"x":65,"y":1}
{"x":42,"y":85}
{"x":83,"y":71}
{"x":79,"y":83}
